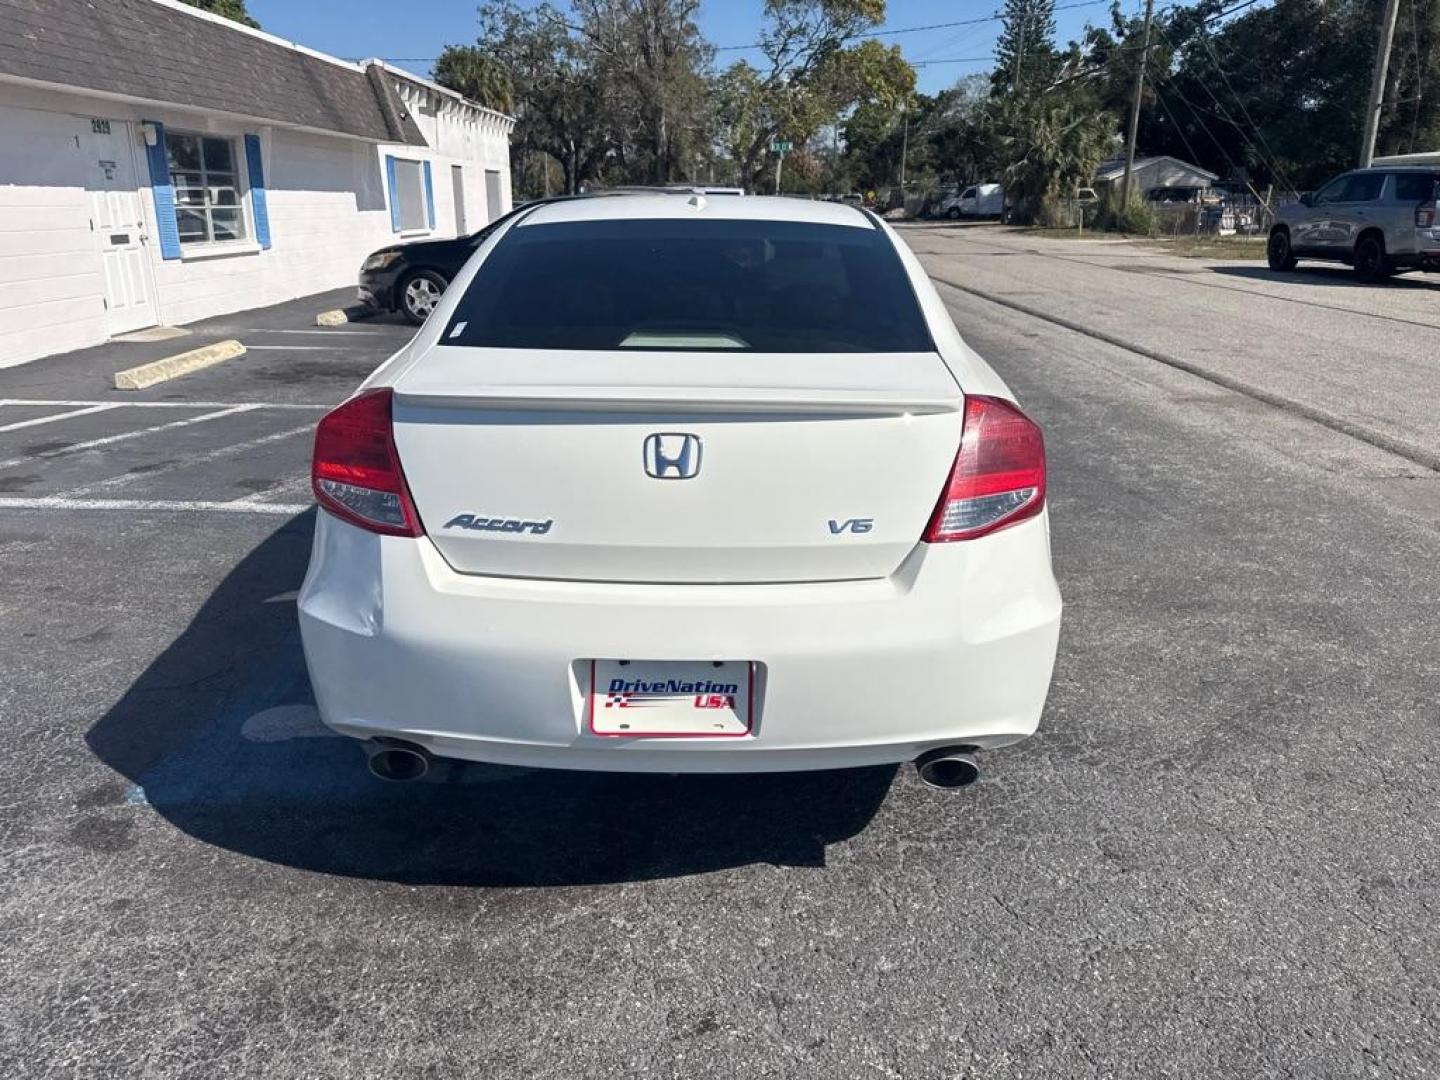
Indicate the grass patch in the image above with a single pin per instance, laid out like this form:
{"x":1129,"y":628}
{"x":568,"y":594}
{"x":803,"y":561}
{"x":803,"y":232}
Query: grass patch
{"x":1215,"y":247}
{"x":1191,"y":247}
{"x":1072,"y":234}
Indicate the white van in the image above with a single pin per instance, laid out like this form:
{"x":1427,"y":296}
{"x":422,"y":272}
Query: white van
{"x":977,"y":200}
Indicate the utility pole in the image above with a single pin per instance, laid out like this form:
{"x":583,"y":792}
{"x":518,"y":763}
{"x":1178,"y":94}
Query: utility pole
{"x":779,"y":164}
{"x":1135,"y":107}
{"x":1377,"y":83}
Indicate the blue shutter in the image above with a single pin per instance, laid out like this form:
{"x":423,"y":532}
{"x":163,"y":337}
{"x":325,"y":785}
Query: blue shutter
{"x":390,"y":187}
{"x":257,"y":190}
{"x":429,"y":198}
{"x":163,"y":193}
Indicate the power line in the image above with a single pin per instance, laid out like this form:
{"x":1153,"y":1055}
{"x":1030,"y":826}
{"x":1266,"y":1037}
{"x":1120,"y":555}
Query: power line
{"x":995,"y":17}
{"x":1274,"y":162}
{"x":1160,"y":97}
{"x":1222,"y":14}
{"x":1195,"y":113}
{"x":980,"y":21}
{"x":1224,"y":115}
{"x":953,"y":60}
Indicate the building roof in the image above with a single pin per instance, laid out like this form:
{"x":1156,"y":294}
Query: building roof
{"x":163,"y":52}
{"x":1115,"y":167}
{"x":1430,"y":157}
{"x":443,"y":93}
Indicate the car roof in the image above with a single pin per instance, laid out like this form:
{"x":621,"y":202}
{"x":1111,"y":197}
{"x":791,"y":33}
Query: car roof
{"x":713,"y":207}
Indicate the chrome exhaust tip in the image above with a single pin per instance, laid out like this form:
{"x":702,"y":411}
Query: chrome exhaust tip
{"x":948,"y":767}
{"x":392,"y":759}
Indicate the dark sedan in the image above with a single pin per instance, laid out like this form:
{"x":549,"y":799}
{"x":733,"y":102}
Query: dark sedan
{"x":409,"y":278}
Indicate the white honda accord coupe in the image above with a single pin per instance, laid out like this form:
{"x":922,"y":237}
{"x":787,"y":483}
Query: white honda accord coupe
{"x":683,"y":483}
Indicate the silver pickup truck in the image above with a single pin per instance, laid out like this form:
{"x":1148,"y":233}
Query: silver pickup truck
{"x":1379,"y":221}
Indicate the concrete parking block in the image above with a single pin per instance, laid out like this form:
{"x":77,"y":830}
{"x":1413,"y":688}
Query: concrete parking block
{"x":171,"y":367}
{"x":341,"y":316}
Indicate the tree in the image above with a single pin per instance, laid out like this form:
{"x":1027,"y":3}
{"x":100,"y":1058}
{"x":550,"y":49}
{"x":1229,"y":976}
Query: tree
{"x":560,"y":100}
{"x":480,"y":77}
{"x":962,"y":133}
{"x":234,"y":10}
{"x":923,"y":137}
{"x":1025,"y":56}
{"x":1053,"y":142}
{"x":811,"y":75}
{"x":651,"y":54}
{"x":1276,"y":94}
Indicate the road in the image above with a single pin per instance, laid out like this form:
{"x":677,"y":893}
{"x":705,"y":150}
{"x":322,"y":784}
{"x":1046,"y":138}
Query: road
{"x":1219,"y":857}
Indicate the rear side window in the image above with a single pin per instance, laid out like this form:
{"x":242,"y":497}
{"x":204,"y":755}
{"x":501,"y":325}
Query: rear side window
{"x":1364,"y":187}
{"x":1416,"y":187}
{"x":756,"y":286}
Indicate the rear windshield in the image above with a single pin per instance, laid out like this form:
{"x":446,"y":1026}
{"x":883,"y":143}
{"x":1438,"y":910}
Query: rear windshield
{"x":756,"y":286}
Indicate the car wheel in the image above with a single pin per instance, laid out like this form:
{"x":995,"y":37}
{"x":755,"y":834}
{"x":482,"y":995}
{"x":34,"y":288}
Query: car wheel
{"x":419,"y":293}
{"x":1278,"y":253}
{"x":953,"y":213}
{"x":1370,"y":263}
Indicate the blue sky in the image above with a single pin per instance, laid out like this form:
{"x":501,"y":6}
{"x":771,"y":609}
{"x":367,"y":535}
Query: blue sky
{"x":378,"y":27}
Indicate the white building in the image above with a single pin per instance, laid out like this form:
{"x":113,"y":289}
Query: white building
{"x":163,"y":165}
{"x":1151,"y":173}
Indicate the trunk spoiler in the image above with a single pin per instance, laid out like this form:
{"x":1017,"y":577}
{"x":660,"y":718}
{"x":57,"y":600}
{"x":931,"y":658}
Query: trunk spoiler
{"x":829,"y":401}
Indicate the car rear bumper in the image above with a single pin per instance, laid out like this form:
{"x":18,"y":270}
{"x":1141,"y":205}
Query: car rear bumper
{"x":956,"y":647}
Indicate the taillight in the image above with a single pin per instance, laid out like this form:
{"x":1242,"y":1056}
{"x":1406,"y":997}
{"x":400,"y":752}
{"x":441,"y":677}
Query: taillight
{"x":1425,"y":216}
{"x":998,"y":477}
{"x":356,"y":471}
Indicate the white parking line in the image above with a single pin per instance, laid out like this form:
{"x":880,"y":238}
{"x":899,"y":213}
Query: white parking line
{"x":125,"y":435}
{"x":195,"y":459}
{"x":239,"y":506}
{"x":299,"y":348}
{"x":59,"y":416}
{"x":327,"y":333}
{"x":296,"y":485}
{"x":171,"y":404}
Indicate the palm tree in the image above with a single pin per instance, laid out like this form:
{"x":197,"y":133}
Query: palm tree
{"x":1054,"y":141}
{"x":481,"y":78}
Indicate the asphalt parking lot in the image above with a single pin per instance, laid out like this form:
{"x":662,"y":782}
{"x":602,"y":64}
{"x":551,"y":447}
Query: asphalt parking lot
{"x":1218,"y":858}
{"x":236,"y":435}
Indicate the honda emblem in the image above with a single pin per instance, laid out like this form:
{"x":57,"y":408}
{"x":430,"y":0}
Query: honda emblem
{"x":672,"y":456}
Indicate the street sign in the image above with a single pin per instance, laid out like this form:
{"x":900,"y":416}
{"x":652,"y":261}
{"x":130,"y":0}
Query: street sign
{"x":781,"y":146}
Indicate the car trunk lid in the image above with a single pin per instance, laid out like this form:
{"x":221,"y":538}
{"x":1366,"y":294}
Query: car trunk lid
{"x":535,"y":463}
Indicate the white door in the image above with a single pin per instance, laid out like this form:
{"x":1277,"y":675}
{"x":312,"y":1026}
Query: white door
{"x":118,"y":222}
{"x":457,"y":187}
{"x":492,"y":193}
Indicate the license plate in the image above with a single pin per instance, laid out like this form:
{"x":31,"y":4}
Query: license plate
{"x":666,"y":698}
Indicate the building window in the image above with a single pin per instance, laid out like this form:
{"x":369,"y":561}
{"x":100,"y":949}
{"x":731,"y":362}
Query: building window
{"x":409,"y":195}
{"x":205,"y":173}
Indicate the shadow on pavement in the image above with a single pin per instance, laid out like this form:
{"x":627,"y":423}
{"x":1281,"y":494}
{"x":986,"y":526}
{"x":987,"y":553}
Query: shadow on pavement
{"x":221,"y":733}
{"x":1337,"y":275}
{"x":365,"y":316}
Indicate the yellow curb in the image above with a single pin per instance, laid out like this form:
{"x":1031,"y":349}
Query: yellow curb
{"x":331,"y":318}
{"x":170,"y":367}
